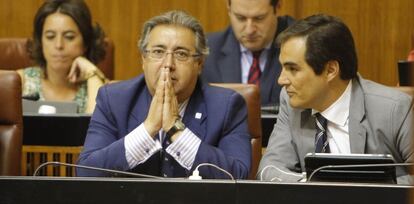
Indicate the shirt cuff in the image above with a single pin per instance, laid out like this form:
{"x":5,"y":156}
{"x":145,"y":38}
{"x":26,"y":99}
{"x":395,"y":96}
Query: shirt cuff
{"x":140,"y":146}
{"x":184,"y":149}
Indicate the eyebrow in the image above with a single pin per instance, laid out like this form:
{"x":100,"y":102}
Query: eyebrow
{"x":160,"y":46}
{"x":64,"y":32}
{"x":255,"y":16}
{"x":290,"y":64}
{"x":176,"y":48}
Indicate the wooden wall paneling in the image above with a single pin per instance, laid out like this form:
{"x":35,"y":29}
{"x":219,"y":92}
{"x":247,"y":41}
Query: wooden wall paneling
{"x":16,"y":17}
{"x":381,"y":30}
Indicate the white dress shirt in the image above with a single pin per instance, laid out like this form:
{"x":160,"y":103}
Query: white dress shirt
{"x":247,"y":61}
{"x":337,"y":116}
{"x":140,"y":146}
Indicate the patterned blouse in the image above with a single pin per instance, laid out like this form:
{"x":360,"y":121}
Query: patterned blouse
{"x":33,"y":85}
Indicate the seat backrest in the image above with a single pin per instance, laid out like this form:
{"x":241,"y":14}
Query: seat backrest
{"x":10,"y":123}
{"x":251,"y":95}
{"x":14,"y":55}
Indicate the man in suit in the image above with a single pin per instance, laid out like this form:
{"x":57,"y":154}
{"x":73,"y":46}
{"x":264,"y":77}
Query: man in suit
{"x":167,"y":122}
{"x":245,"y":52}
{"x":326,"y":106}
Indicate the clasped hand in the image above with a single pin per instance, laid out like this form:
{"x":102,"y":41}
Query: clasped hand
{"x":163,"y":111}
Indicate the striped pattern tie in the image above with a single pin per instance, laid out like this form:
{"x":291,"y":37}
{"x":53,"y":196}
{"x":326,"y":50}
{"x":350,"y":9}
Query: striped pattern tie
{"x":321,"y":138}
{"x":255,"y":72}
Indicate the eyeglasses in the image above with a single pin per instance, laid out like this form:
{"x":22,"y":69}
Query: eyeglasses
{"x":180,"y":55}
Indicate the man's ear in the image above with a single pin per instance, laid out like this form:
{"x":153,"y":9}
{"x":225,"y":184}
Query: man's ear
{"x":228,"y":7}
{"x":332,"y":69}
{"x":279,"y":4}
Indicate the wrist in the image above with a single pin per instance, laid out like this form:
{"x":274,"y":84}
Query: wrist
{"x":176,"y":129}
{"x":95,"y":72}
{"x":150,"y":130}
{"x":175,"y":136}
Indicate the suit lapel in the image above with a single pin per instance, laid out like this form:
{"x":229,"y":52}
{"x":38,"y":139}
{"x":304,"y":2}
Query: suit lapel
{"x":229,"y":62}
{"x":140,"y":110}
{"x":271,"y":71}
{"x":195,"y":113}
{"x":357,"y":132}
{"x":306,"y":132}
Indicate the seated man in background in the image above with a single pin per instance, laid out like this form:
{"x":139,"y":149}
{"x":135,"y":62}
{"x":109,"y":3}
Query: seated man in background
{"x":245,"y":52}
{"x":166,"y":121}
{"x":327,"y":107}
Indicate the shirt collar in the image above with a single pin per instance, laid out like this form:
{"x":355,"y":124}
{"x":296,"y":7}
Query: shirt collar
{"x":338,"y":112}
{"x":182,"y":106}
{"x":245,"y":50}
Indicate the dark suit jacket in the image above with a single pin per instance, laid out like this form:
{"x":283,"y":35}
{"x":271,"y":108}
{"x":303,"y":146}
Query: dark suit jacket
{"x":121,"y":107}
{"x":223,"y":63}
{"x":380,"y":122}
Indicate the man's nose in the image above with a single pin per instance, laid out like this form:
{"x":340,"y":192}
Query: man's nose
{"x":250,"y":26}
{"x":169,"y":60}
{"x":283,"y":80}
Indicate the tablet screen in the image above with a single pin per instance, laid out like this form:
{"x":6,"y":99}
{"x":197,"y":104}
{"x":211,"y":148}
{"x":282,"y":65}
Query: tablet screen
{"x":350,"y":168}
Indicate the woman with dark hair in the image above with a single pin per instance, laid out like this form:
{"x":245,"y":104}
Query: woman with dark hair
{"x":65,"y":47}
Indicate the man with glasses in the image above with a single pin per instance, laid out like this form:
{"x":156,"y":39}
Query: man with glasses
{"x":245,"y":52}
{"x":167,"y":122}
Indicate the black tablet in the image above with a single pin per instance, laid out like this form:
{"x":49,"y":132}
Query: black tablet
{"x":405,"y":73}
{"x":366,"y":168}
{"x":55,"y":129}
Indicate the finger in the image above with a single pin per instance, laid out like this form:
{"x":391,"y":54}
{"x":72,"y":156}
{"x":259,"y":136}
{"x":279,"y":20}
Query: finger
{"x":153,"y":122}
{"x":170,"y":105}
{"x":159,"y":91}
{"x":169,"y":92}
{"x":73,"y":69}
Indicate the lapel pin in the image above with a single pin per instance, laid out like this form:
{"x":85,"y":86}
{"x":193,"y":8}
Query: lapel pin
{"x":198,"y":115}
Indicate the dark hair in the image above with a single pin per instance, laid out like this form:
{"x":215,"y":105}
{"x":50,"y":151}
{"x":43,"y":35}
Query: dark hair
{"x":93,"y":37}
{"x":273,"y":3}
{"x":179,"y":18}
{"x":327,"y":38}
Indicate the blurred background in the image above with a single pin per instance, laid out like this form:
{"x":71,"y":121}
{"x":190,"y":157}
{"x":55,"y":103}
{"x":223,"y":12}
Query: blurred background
{"x":382,"y":28}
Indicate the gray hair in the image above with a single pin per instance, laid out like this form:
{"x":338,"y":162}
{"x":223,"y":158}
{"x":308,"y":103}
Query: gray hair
{"x":179,"y":18}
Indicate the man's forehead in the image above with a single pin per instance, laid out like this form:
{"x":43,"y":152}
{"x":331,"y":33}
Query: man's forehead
{"x":171,"y":36}
{"x":251,"y":8}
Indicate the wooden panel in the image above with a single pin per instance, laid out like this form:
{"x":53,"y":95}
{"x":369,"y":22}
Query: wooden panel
{"x":33,"y":156}
{"x":381,"y":28}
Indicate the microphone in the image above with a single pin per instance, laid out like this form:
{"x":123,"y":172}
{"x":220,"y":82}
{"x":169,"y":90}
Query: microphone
{"x":356,"y":166}
{"x":31,"y":97}
{"x":110,"y":171}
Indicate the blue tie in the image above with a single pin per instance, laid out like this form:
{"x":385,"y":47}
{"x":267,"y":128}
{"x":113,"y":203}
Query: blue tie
{"x":321,"y":138}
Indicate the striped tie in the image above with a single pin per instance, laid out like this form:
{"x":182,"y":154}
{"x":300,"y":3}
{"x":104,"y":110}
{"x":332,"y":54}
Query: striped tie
{"x":321,"y":139}
{"x":255,"y":72}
